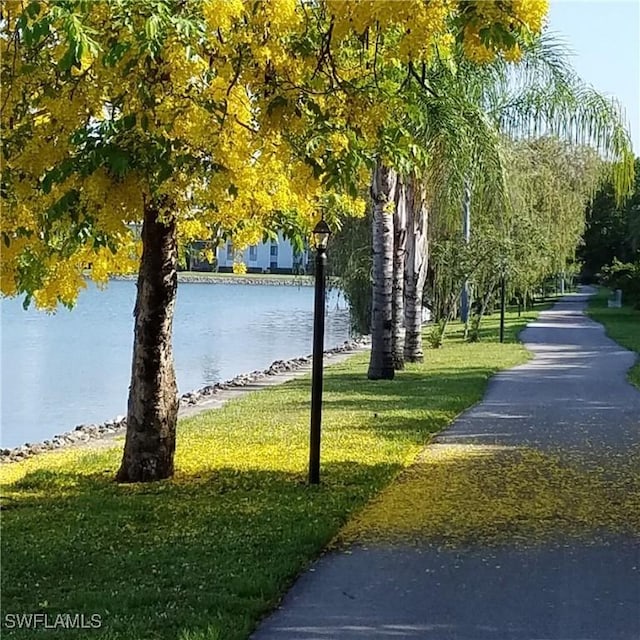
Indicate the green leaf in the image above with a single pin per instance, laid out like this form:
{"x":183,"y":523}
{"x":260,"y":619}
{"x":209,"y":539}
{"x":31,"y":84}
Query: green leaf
{"x":33,"y":10}
{"x":21,"y":22}
{"x":118,"y":161}
{"x":151,"y":27}
{"x":129,"y":122}
{"x":116,"y":53}
{"x":68,"y":60}
{"x":165,"y":172}
{"x":49,"y":179}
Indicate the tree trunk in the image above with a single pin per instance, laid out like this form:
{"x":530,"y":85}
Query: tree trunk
{"x":415,"y":270}
{"x":152,"y":411}
{"x":465,"y":298}
{"x":476,"y":319}
{"x":383,"y":186}
{"x":399,"y":258}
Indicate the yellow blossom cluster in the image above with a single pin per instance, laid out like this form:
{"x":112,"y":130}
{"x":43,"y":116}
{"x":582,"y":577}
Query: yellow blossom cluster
{"x":209,"y":116}
{"x":222,"y":14}
{"x":421,"y":26}
{"x":62,"y":283}
{"x":338,"y":142}
{"x":521,"y":18}
{"x":114,"y":203}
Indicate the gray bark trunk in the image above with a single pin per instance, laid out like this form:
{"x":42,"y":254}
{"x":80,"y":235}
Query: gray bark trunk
{"x":415,"y":270}
{"x":383,"y":186}
{"x":152,"y":411}
{"x":465,"y":298}
{"x":399,"y":258}
{"x":477,"y":318}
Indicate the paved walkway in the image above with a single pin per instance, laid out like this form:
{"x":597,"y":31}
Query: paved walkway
{"x":572,"y":396}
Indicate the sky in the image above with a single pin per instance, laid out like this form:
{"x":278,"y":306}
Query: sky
{"x":604,"y":36}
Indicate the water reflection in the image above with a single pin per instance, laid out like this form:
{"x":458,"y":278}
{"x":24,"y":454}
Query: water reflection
{"x":74,"y":367}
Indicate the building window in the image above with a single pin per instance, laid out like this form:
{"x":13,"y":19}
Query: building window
{"x":274,"y":249}
{"x":253,"y":253}
{"x":229,"y":250}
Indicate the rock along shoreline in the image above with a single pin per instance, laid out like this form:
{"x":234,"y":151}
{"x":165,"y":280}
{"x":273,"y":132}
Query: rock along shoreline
{"x":266,"y":280}
{"x":84,"y":433}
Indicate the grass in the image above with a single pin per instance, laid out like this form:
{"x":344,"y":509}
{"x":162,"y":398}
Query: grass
{"x":622,"y":325}
{"x":205,"y":555}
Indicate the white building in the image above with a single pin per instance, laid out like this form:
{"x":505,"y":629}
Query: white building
{"x":273,"y":256}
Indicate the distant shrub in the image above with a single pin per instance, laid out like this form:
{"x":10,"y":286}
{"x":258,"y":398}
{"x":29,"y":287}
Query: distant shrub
{"x":624,"y":276}
{"x":435,"y":337}
{"x":474,"y":328}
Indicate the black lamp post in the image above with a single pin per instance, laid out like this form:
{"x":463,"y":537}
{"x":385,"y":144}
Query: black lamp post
{"x":503,"y":299}
{"x":321,"y":235}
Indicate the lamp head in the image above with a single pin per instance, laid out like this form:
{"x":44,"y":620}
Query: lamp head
{"x":321,"y":234}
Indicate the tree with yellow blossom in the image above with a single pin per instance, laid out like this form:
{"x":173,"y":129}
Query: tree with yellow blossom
{"x":186,"y":115}
{"x":118,"y":113}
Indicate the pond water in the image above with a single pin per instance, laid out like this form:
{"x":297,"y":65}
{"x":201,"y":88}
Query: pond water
{"x":74,"y":366}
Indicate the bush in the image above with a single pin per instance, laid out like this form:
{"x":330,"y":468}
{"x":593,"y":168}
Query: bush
{"x":474,"y":328}
{"x":624,"y":276}
{"x":435,"y":337}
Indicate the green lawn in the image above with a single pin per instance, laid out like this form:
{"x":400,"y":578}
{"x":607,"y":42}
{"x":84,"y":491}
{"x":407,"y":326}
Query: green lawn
{"x":208,"y":553}
{"x":622,"y":325}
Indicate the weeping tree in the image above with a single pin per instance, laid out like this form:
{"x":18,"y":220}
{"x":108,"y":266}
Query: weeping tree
{"x":448,"y":269}
{"x":496,"y":103}
{"x":350,"y":265}
{"x":550,"y":183}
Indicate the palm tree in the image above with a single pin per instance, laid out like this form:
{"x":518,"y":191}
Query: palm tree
{"x":383,"y":186}
{"x":460,"y":145}
{"x":399,"y":260}
{"x":415,"y":272}
{"x":469,"y":112}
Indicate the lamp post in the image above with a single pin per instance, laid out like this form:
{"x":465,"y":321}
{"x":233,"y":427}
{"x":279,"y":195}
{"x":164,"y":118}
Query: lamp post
{"x":503,"y":296}
{"x":321,"y":235}
{"x":466,"y":232}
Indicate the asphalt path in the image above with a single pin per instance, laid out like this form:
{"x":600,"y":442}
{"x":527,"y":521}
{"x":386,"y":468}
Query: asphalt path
{"x":572,"y":396}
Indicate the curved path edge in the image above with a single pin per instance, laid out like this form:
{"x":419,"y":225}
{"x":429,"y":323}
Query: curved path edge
{"x":572,"y":395}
